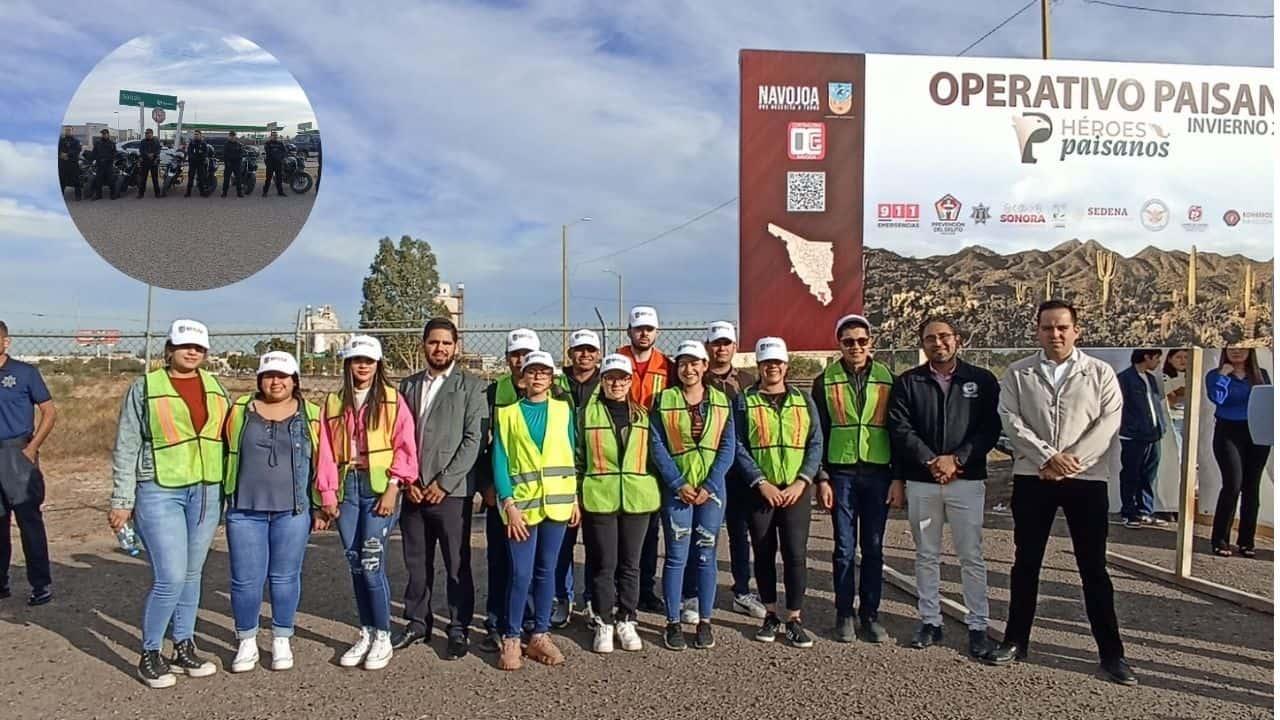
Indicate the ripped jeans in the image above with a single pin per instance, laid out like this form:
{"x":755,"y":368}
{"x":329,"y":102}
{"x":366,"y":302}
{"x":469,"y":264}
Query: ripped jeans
{"x":364,"y":537}
{"x":698,"y":525}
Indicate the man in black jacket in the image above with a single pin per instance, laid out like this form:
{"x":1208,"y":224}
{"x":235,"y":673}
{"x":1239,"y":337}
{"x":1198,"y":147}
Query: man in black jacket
{"x":104,"y":163}
{"x":197,"y":161}
{"x":943,"y":421}
{"x":69,"y":160}
{"x":1141,"y":428}
{"x":149,"y":164}
{"x":232,"y":154}
{"x":273,"y":152}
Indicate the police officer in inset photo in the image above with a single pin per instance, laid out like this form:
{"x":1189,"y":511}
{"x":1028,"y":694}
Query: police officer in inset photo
{"x":104,"y":163}
{"x":273,"y":151}
{"x":232,"y":153}
{"x":149,"y":164}
{"x":197,"y":161}
{"x":69,"y":161}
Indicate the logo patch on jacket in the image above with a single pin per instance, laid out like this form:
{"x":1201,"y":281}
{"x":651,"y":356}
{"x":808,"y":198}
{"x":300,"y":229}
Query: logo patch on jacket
{"x":969,"y":390}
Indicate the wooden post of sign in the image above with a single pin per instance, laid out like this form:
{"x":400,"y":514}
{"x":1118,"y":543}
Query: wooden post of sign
{"x":1190,"y":453}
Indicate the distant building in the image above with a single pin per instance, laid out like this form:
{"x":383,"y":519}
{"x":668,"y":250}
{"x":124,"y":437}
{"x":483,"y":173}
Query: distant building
{"x":321,"y":330}
{"x":451,"y":301}
{"x":86,"y":132}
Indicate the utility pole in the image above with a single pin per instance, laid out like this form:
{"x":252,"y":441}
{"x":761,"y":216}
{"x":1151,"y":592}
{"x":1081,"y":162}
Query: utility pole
{"x":147,"y":341}
{"x":1044,"y":29}
{"x":564,"y":286}
{"x":621,"y":317}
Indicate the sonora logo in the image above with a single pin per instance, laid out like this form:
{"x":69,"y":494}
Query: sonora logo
{"x":1031,"y":128}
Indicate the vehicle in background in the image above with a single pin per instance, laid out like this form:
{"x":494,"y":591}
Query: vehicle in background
{"x":307,"y":144}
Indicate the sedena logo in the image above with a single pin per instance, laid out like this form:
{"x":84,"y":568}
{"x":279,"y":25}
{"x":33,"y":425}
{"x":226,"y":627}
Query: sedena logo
{"x":806,"y":140}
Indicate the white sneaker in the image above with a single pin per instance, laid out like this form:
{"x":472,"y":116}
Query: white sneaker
{"x":355,"y":655}
{"x":749,"y":604}
{"x":281,"y":654}
{"x":603,"y":642}
{"x":246,"y":656}
{"x":380,"y":653}
{"x":628,"y":637}
{"x":689,"y":611}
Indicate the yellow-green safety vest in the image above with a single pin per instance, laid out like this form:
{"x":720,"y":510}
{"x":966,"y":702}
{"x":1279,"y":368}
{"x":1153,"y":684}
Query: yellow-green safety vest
{"x":184,"y":456}
{"x":506,"y":393}
{"x":613,"y":481}
{"x":776,"y":437}
{"x":858,"y":437}
{"x":379,"y":441}
{"x":544,"y":483}
{"x":693,"y":459}
{"x":235,"y":431}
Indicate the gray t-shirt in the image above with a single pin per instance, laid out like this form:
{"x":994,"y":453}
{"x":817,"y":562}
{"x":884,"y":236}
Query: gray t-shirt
{"x":265,"y":478}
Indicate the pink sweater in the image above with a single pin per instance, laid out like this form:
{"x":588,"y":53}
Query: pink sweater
{"x":404,"y":456}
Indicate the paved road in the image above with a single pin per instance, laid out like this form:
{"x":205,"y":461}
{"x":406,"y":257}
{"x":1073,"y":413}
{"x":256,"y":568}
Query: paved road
{"x":191,"y":243}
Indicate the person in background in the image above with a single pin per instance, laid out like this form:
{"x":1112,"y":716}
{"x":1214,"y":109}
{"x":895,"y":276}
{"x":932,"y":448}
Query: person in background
{"x":198,"y":151}
{"x":1240,"y":461}
{"x":104,"y":164}
{"x":232,"y":154}
{"x":449,"y":408}
{"x":536,"y":483}
{"x":693,"y":445}
{"x":778,"y":452}
{"x":277,"y":462}
{"x":1141,"y":428}
{"x":273,"y":153}
{"x":1175,"y":386}
{"x":371,"y":433}
{"x":22,"y":392}
{"x":69,"y":161}
{"x":579,"y":381}
{"x":1060,"y":409}
{"x":943,"y":421}
{"x":149,"y":164}
{"x":167,"y":474}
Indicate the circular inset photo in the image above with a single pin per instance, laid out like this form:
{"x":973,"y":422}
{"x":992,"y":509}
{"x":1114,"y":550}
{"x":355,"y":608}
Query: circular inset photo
{"x":189,"y":160}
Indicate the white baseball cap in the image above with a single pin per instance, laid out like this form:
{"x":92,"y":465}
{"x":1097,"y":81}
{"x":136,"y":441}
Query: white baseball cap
{"x":188,"y":332}
{"x":853,"y":319}
{"x":584,"y":337}
{"x":692,"y":348}
{"x":278,"y":361}
{"x":616,"y":361}
{"x":722,"y":330}
{"x":771,"y":348}
{"x":537,"y":357}
{"x":644,"y":316}
{"x":364,"y":346}
{"x":522,"y":339}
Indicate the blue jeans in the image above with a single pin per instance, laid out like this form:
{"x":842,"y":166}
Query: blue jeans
{"x":564,"y":579}
{"x":1139,"y":463}
{"x":682,"y":524}
{"x":266,"y":546}
{"x":176,"y":526}
{"x":858,"y":518}
{"x":364,"y":537}
{"x":533,"y":567}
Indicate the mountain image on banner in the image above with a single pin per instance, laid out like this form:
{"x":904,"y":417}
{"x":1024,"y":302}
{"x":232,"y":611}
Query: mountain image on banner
{"x":811,"y":260}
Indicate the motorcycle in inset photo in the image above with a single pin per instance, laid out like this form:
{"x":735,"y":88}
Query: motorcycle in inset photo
{"x":291,"y":168}
{"x":127,"y":166}
{"x":210,"y":183}
{"x":172,"y":175}
{"x":248,"y":172}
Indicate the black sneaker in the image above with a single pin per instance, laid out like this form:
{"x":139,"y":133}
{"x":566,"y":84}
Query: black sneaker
{"x":703,"y":639}
{"x":980,"y":646}
{"x":459,"y":644}
{"x":673,"y":638}
{"x":186,"y":661}
{"x":796,"y":636}
{"x":650,"y":602}
{"x":1117,"y":671}
{"x":769,"y":629}
{"x":926,"y":635}
{"x":4,"y":590}
{"x":492,"y":642}
{"x":870,"y":630}
{"x":40,"y":596}
{"x":1005,"y":653}
{"x":154,"y":671}
{"x":844,"y":631}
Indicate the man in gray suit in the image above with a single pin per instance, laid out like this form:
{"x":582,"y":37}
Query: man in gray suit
{"x":449,"y":408}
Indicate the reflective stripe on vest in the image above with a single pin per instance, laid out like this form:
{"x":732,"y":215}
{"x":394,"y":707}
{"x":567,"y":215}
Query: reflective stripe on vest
{"x":858,"y":437}
{"x":235,"y":432}
{"x":183,"y":456}
{"x":693,"y":459}
{"x":612,"y":484}
{"x":544,"y":483}
{"x":776,"y":438}
{"x":379,"y":450}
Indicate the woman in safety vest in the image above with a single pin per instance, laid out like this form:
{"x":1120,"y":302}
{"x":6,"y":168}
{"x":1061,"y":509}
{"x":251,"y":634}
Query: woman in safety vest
{"x":536,"y":484}
{"x":277,"y":463}
{"x":167,"y":476}
{"x":779,"y":449}
{"x":693,"y":448}
{"x":619,"y":494}
{"x":371,"y":433}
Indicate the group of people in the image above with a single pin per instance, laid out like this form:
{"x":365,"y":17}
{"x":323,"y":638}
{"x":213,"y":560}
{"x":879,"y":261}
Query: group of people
{"x":630,"y":449}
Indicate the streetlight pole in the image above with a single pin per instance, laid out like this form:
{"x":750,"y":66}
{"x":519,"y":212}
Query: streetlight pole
{"x":621,"y":327}
{"x":564,"y":286}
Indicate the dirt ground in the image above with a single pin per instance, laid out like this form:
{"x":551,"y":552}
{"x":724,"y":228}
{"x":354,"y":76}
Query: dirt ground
{"x":1196,"y":657}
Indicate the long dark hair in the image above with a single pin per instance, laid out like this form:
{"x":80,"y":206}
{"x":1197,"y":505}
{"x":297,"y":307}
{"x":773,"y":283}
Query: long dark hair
{"x":1252,"y":371}
{"x":377,"y":394}
{"x":1169,"y":370}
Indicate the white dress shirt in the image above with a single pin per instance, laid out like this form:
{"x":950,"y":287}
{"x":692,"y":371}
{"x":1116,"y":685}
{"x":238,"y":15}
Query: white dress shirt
{"x":430,"y":388}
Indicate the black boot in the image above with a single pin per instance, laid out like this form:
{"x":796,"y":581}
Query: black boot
{"x":154,"y":671}
{"x":188,"y":662}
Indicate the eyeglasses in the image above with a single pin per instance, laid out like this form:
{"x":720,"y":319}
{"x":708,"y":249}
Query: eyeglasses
{"x":538,"y":371}
{"x":858,"y":341}
{"x":618,"y":380}
{"x":940,"y":338}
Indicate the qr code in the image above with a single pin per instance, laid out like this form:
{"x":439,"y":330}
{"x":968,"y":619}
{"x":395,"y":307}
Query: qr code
{"x":806,"y":191}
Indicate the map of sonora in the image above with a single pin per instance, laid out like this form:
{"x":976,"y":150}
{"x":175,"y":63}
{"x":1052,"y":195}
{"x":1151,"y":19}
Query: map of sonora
{"x":812,"y":260}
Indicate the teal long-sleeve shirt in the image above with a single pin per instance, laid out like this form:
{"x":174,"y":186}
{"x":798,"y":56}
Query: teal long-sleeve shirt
{"x":535,"y":416}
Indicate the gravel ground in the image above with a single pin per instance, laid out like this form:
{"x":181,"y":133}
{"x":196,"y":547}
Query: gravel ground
{"x":1196,"y":657}
{"x":192,"y":243}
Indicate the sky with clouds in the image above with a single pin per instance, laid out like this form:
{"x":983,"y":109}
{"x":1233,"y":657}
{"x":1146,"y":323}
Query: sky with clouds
{"x":481,"y":127}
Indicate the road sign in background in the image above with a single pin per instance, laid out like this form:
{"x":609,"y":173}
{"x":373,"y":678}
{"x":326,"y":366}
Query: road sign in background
{"x":151,"y":100}
{"x":157,"y":115}
{"x":97,"y":337}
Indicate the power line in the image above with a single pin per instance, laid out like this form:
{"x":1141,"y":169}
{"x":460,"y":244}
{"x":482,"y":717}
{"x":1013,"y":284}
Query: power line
{"x":662,"y":234}
{"x":1167,"y":11}
{"x":1006,"y":21}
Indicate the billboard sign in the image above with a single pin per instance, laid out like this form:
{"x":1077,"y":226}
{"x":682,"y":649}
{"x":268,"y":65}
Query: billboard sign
{"x":146,"y":99}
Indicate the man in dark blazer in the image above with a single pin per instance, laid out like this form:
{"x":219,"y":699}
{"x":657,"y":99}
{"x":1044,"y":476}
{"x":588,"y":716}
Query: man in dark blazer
{"x":449,"y":409}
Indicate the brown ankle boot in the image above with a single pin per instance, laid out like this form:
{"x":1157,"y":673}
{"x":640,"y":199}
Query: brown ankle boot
{"x":542,"y":649}
{"x":510,"y":657}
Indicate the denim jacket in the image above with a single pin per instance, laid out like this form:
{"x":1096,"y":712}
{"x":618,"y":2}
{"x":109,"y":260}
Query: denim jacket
{"x":300,"y":439}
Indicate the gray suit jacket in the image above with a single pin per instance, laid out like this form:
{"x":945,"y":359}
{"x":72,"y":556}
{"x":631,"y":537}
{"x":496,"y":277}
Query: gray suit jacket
{"x":449,"y":438}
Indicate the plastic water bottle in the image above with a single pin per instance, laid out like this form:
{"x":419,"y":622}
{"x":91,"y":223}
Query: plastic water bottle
{"x":128,"y":540}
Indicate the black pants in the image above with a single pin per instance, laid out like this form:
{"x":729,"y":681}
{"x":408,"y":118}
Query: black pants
{"x":1084,"y":504}
{"x":69,"y":175}
{"x":422,"y":526}
{"x":273,"y":171}
{"x":1241,"y":464}
{"x":499,"y":569}
{"x":649,"y":559}
{"x":154,"y":172}
{"x":21,"y":493}
{"x":104,"y":175}
{"x":787,"y":527}
{"x":740,"y":500}
{"x":613,"y":543}
{"x":230,"y":171}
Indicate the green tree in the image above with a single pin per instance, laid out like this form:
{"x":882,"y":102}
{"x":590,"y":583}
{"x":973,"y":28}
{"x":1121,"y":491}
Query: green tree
{"x":400,"y":291}
{"x":262,"y":347}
